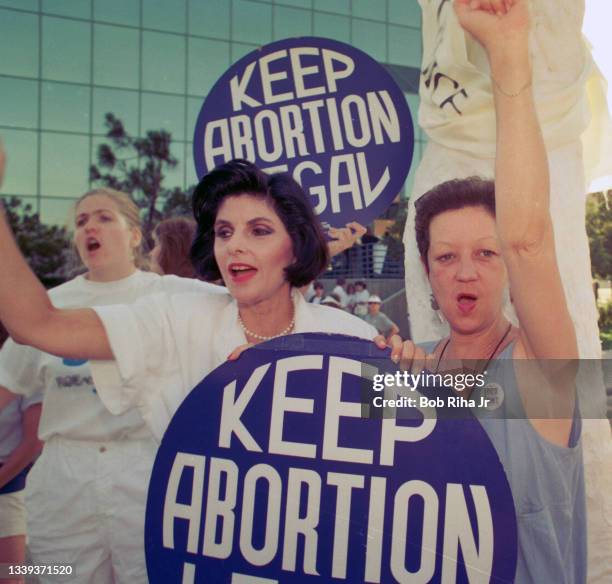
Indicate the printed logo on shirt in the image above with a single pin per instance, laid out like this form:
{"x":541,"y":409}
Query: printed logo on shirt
{"x":74,"y":380}
{"x":73,"y":362}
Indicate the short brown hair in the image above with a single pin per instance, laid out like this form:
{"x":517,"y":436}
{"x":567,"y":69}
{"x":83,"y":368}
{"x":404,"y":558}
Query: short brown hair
{"x":450,"y":196}
{"x":175,"y":237}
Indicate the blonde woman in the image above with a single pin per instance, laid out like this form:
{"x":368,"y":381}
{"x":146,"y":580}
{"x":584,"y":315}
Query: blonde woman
{"x":85,"y":496}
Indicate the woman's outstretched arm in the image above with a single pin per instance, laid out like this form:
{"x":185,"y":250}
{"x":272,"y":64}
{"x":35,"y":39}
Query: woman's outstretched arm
{"x":29,"y":316}
{"x":524,"y":223}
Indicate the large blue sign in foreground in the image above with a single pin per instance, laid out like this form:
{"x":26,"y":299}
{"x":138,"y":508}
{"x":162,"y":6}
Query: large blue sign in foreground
{"x":320,"y":109}
{"x":268,"y":473}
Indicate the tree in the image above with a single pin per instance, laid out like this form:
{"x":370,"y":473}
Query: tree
{"x":599,"y":231}
{"x":137,"y":166}
{"x":47,"y":248}
{"x":178,"y":203}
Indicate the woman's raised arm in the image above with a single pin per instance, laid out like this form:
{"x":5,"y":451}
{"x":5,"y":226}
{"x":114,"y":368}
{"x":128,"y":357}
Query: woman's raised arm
{"x":522,"y":186}
{"x":29,"y":316}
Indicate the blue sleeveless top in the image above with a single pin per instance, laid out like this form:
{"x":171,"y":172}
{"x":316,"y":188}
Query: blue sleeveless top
{"x":547,"y":483}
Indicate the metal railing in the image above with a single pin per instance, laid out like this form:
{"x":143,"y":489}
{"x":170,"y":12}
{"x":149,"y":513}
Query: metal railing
{"x":368,"y":260}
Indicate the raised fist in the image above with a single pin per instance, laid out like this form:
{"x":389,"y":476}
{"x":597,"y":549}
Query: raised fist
{"x":495,"y":23}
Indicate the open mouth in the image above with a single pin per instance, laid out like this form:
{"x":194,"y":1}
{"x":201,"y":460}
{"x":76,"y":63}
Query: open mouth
{"x":466,"y":302}
{"x":92,"y":244}
{"x":241,"y":272}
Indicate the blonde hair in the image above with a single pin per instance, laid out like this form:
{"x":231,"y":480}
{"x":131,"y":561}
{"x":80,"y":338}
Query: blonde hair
{"x":128,"y":210}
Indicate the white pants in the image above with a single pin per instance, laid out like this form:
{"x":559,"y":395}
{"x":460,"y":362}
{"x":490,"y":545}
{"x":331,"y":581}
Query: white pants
{"x":567,"y":204}
{"x":85,"y":506}
{"x":12,"y":515}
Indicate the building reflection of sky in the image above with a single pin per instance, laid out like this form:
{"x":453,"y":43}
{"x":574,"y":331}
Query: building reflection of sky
{"x":65,"y":63}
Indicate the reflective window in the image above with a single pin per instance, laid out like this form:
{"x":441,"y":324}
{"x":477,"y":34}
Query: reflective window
{"x":374,"y":9}
{"x":76,"y":8}
{"x":19,"y":102}
{"x":124,"y":104}
{"x":405,"y":12}
{"x":193,"y":111}
{"x":210,"y":18}
{"x":22,"y":147}
{"x":413,"y":103}
{"x":118,"y":11}
{"x":165,"y":112}
{"x":404,"y":46}
{"x":300,"y":3}
{"x":332,"y":26}
{"x":207,"y":61}
{"x":164,"y":15}
{"x":66,"y":50}
{"x":291,"y":22}
{"x":57,"y":212}
{"x":175,"y":177}
{"x":409,"y":184}
{"x":163,"y":63}
{"x":371,"y":37}
{"x":18,"y":43}
{"x":116,"y":51}
{"x":191,"y":178}
{"x":65,"y":107}
{"x":252,"y":22}
{"x":23,"y":4}
{"x":64,"y":165}
{"x":338,"y":6}
{"x":240,"y":50}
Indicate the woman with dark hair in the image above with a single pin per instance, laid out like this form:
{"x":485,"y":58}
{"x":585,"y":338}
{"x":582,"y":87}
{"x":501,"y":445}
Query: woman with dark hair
{"x":243,"y":189}
{"x":476,"y":239}
{"x":257,"y":232}
{"x":172,"y":242}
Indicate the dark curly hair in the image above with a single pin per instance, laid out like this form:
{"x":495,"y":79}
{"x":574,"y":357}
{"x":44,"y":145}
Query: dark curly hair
{"x":240,"y":177}
{"x":450,"y":196}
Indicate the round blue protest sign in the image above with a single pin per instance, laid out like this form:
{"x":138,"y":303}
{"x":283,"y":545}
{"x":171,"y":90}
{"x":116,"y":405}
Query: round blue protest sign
{"x":269,"y":473}
{"x":321,"y":110}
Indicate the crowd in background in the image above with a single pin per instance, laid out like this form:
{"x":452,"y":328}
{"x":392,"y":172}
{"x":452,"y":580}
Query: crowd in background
{"x":247,"y":235}
{"x":354,"y":298}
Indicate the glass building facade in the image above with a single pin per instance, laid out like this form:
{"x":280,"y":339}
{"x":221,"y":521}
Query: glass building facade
{"x":65,"y":63}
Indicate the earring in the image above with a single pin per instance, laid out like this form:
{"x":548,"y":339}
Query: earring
{"x":433,"y":302}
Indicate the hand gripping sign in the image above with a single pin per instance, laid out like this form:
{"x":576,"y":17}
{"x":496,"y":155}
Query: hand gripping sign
{"x":320,"y":109}
{"x":268,"y":473}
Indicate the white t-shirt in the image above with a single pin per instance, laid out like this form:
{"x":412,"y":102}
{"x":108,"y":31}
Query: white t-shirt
{"x":11,"y":432}
{"x":71,"y":406}
{"x":309,"y":294}
{"x":361,"y":298}
{"x":341,"y":293}
{"x":165,"y":345}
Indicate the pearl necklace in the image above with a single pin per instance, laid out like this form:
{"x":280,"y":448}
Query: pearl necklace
{"x":253,"y":335}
